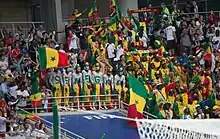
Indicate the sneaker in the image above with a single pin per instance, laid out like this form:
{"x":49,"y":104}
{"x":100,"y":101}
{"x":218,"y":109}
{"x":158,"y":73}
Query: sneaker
{"x":105,"y":107}
{"x":84,"y":108}
{"x":91,"y":108}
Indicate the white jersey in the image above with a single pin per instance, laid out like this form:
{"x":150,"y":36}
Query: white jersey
{"x":108,"y":80}
{"x":97,"y":77}
{"x":169,"y":31}
{"x":86,"y":75}
{"x":77,"y":78}
{"x":67,"y":79}
{"x":119,"y":80}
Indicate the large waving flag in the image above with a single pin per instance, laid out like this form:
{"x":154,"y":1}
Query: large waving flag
{"x":112,"y":24}
{"x":36,"y":96}
{"x":138,"y":95}
{"x":51,"y":58}
{"x":208,"y":52}
{"x":137,"y":23}
{"x":93,"y":14}
{"x":25,"y":114}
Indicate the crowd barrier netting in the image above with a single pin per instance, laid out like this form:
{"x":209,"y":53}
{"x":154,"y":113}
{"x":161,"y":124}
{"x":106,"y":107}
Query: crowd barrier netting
{"x":179,"y":129}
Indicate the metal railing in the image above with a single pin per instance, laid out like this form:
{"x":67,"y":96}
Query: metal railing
{"x":64,"y":132}
{"x":124,"y":106}
{"x":12,"y":26}
{"x":77,"y":104}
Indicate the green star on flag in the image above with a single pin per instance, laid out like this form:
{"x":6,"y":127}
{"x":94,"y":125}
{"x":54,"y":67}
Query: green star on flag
{"x":136,"y":102}
{"x":53,"y":58}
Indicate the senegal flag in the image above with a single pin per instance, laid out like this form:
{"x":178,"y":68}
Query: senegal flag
{"x":31,"y":116}
{"x":51,"y":58}
{"x":36,"y":97}
{"x":112,"y":24}
{"x":138,"y":95}
{"x":93,"y":13}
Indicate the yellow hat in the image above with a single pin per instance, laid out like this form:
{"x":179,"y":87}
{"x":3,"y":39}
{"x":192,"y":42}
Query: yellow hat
{"x":216,"y":107}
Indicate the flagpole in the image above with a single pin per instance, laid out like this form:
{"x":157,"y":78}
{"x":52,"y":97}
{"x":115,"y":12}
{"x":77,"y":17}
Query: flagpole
{"x":55,"y":121}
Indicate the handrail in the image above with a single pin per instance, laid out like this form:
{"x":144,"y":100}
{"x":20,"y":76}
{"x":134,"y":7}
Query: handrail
{"x":146,"y":113}
{"x":181,"y":3}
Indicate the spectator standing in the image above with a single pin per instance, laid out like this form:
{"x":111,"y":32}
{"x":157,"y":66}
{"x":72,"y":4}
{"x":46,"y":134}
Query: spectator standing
{"x":195,"y":9}
{"x":170,"y":33}
{"x":110,"y":50}
{"x":73,"y":42}
{"x":186,"y":42}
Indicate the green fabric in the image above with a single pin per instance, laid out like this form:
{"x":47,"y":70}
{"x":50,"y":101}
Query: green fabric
{"x":171,"y":66}
{"x":211,"y":99}
{"x":35,"y":83}
{"x":42,"y":58}
{"x":166,"y":80}
{"x":137,"y":87}
{"x":137,"y":23}
{"x":206,"y":46}
{"x":176,"y":108}
{"x":118,"y":12}
{"x":195,"y":79}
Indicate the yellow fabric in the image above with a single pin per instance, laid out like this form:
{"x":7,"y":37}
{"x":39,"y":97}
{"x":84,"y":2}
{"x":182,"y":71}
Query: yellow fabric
{"x":180,"y":107}
{"x":113,"y":27}
{"x":145,"y":64}
{"x":217,"y":102}
{"x":185,"y":99}
{"x":171,"y":99}
{"x":118,"y":88}
{"x":144,"y":25}
{"x":156,"y":64}
{"x":87,"y":91}
{"x":58,"y":92}
{"x":36,"y":97}
{"x":108,"y":92}
{"x":76,"y":89}
{"x":192,"y":107}
{"x":98,"y":90}
{"x":66,"y":94}
{"x":52,"y":57}
{"x":163,"y":91}
{"x":137,"y":100}
{"x":159,"y":97}
{"x":164,"y":72}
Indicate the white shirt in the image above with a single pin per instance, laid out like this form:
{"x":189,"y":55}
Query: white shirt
{"x":215,"y":39}
{"x":110,"y":50}
{"x":196,"y":10}
{"x":144,"y":39}
{"x":213,"y":63}
{"x":73,"y":43}
{"x":120,"y":52}
{"x":23,"y":93}
{"x":13,"y":91}
{"x":2,"y":124}
{"x":169,"y":31}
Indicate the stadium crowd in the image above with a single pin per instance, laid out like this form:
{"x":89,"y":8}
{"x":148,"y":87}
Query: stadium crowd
{"x":175,"y":54}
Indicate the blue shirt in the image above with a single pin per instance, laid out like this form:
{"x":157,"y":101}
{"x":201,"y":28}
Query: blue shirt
{"x":4,"y":88}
